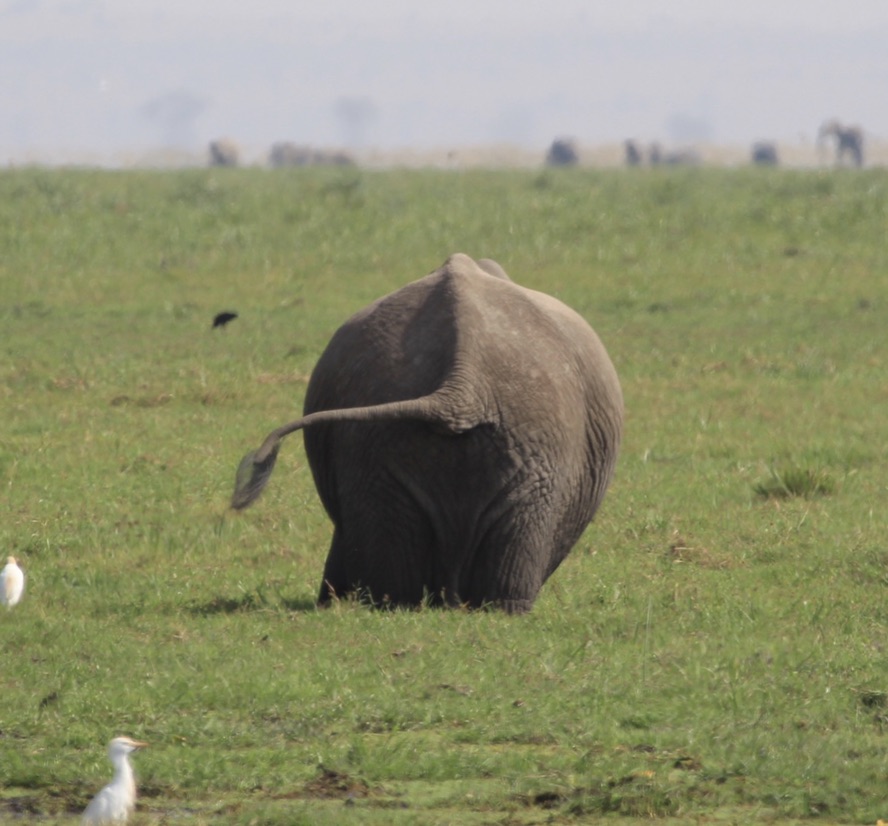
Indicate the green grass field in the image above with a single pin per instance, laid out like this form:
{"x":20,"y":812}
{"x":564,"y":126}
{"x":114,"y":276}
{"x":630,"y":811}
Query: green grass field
{"x":715,"y":649}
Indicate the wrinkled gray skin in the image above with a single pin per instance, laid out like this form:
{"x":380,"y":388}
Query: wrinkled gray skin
{"x":461,"y":432}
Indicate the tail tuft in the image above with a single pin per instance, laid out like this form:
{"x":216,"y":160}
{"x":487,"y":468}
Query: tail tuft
{"x":252,"y":476}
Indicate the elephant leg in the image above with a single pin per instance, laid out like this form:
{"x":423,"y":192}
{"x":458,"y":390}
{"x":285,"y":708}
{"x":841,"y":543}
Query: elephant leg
{"x":509,"y":569}
{"x":515,"y":598}
{"x":387,"y":564}
{"x":514,"y":606}
{"x":335,"y":583}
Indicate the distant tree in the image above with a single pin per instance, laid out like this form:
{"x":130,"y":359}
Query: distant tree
{"x":175,"y":113}
{"x":355,"y":114}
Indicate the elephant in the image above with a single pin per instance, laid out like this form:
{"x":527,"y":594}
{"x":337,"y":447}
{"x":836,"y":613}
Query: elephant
{"x":461,"y":433}
{"x":848,"y":141}
{"x":633,"y":153}
{"x":224,"y":152}
{"x":764,"y":153}
{"x":562,"y":152}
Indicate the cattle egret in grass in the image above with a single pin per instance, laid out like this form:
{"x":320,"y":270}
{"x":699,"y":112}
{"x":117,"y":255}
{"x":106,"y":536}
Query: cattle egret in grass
{"x":12,"y":583}
{"x":115,"y":803}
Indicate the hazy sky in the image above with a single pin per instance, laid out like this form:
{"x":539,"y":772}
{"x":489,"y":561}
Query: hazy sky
{"x":103,"y":78}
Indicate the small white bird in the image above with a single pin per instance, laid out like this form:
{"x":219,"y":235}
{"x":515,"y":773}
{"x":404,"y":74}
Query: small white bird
{"x":12,"y":583}
{"x":115,"y":803}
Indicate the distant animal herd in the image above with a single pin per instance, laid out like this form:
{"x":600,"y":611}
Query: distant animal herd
{"x":844,"y":142}
{"x":225,"y":152}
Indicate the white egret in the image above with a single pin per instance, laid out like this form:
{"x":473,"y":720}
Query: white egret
{"x":115,"y":803}
{"x":12,"y":583}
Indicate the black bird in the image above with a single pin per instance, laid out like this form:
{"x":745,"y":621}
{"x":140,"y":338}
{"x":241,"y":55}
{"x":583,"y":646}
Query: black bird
{"x":222,"y":319}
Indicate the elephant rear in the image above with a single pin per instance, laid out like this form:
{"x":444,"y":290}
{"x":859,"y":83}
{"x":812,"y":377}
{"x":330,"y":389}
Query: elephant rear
{"x":478,"y":513}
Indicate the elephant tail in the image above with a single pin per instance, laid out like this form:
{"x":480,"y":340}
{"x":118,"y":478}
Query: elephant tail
{"x":437,"y":409}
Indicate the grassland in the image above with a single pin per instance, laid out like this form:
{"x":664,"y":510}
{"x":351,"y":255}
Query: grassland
{"x":714,"y":650}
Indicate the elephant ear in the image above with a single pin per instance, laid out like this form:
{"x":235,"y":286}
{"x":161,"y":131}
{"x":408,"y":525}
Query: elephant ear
{"x":252,"y":476}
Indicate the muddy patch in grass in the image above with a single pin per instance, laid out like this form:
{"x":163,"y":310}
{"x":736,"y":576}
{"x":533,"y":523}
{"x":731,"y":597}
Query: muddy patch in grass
{"x":333,"y":784}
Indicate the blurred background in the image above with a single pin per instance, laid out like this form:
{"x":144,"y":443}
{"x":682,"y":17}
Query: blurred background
{"x":142,"y":82}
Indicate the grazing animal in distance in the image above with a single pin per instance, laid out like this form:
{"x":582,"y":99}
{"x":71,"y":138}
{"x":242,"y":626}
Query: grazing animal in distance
{"x":633,"y":153}
{"x":848,"y":141}
{"x":224,"y":152}
{"x":284,"y":154}
{"x":223,"y":318}
{"x":461,"y":432}
{"x":562,"y":152}
{"x":116,"y":802}
{"x":673,"y":157}
{"x":12,"y":583}
{"x":764,"y":153}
